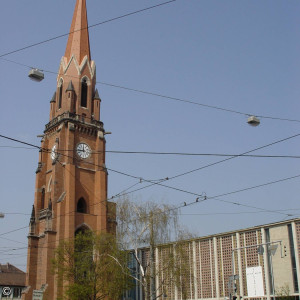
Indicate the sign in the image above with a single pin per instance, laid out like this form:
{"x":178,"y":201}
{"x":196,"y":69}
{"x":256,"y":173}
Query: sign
{"x":6,"y":291}
{"x":255,"y":285}
{"x":260,"y":250}
{"x":37,"y":295}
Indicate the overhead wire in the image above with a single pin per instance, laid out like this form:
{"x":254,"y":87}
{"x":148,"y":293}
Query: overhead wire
{"x":230,"y":158}
{"x":14,"y":230}
{"x":237,"y":213}
{"x":215,"y":198}
{"x":10,"y":240}
{"x":133,"y":89}
{"x":221,"y":154}
{"x":186,"y":204}
{"x":195,"y":194}
{"x":157,"y":153}
{"x":170,"y":97}
{"x":182,"y":190}
{"x":90,"y":26}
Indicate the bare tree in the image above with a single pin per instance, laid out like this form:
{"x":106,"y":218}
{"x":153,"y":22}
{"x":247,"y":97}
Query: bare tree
{"x":147,"y":228}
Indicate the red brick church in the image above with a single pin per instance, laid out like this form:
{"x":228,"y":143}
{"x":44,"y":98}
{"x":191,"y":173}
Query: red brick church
{"x":71,"y":178}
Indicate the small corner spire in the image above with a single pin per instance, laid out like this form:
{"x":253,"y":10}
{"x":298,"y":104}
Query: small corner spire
{"x":32,"y":218}
{"x":70,"y":87}
{"x":78,"y":42}
{"x":97,"y":97}
{"x":53,"y":98}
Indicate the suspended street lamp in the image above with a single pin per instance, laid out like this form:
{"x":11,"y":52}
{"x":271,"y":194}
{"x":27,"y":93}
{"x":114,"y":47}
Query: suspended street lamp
{"x":36,"y":75}
{"x":253,"y":121}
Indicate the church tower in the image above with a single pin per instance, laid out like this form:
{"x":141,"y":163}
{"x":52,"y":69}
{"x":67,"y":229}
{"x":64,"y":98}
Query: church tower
{"x":71,"y":178}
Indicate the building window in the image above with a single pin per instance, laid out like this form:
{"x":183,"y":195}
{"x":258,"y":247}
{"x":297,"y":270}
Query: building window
{"x":17,"y":293}
{"x":60,"y":94}
{"x":81,"y":206}
{"x":84,"y":91}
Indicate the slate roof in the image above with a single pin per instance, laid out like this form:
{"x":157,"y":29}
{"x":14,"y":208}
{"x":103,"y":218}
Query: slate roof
{"x":11,"y":276}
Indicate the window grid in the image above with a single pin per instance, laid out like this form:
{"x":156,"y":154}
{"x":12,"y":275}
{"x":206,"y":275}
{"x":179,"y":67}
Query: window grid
{"x":205,"y":258}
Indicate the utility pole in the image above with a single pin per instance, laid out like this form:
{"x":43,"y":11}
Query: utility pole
{"x":152,"y":265}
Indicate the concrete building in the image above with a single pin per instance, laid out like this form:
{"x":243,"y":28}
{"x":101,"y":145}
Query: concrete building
{"x":12,"y":282}
{"x":272,"y":249}
{"x":71,"y":178}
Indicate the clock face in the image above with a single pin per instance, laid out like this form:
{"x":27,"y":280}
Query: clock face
{"x":83,"y":150}
{"x":53,"y":152}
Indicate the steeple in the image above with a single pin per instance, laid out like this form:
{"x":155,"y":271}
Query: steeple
{"x":71,"y":178}
{"x":78,"y":42}
{"x":76,"y":78}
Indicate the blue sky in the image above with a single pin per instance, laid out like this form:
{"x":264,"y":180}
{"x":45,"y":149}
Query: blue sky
{"x":238,"y":55}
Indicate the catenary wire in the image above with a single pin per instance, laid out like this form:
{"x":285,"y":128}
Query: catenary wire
{"x":214,"y":198}
{"x":175,"y":176}
{"x":170,"y":187}
{"x":11,"y":231}
{"x":166,"y":96}
{"x":224,"y":160}
{"x":237,"y":213}
{"x":170,"y":153}
{"x":185,"y":204}
{"x":94,"y":25}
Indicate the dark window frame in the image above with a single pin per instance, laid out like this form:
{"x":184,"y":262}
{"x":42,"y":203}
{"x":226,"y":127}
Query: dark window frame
{"x":84,"y":93}
{"x":60,"y":94}
{"x":81,"y":206}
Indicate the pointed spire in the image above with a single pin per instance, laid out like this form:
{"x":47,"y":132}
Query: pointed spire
{"x":78,"y":42}
{"x":97,"y":97}
{"x":53,"y":98}
{"x":70,"y":87}
{"x":33,"y":212}
{"x":32,"y":218}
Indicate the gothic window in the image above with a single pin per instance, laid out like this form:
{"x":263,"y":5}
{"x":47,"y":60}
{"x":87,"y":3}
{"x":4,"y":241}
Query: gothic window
{"x":43,"y":199}
{"x":81,"y":206}
{"x":60,"y":89}
{"x":84,"y":92}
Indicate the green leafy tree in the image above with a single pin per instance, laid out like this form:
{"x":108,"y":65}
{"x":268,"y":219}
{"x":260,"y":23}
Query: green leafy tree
{"x":91,"y":267}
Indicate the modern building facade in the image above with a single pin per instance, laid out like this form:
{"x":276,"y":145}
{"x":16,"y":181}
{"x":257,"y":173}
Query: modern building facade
{"x":12,"y":282}
{"x":71,"y":178}
{"x":218,"y":264}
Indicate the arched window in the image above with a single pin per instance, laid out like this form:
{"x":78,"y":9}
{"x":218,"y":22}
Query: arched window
{"x":60,"y":94}
{"x":84,"y":91}
{"x":81,"y":206}
{"x":43,"y":199}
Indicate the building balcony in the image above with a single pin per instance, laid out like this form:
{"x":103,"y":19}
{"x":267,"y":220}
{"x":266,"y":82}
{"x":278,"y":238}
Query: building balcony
{"x":72,"y":117}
